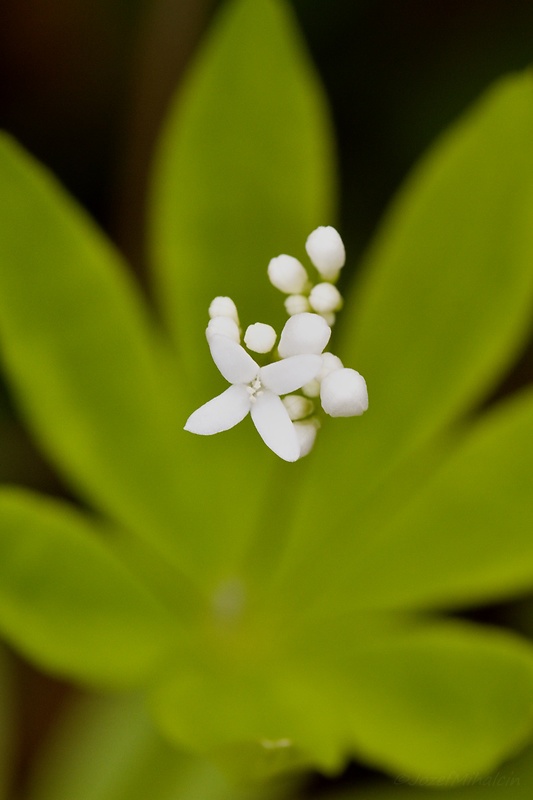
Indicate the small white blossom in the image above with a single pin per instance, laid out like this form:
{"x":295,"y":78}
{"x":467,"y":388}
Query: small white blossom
{"x":298,"y":407}
{"x":223,"y":307}
{"x":223,"y":326}
{"x":325,"y":298}
{"x":304,"y":333}
{"x":296,"y":304}
{"x":255,"y":390}
{"x":326,"y":250}
{"x":343,"y":393}
{"x":285,"y":421}
{"x":260,"y":337}
{"x":287,"y":274}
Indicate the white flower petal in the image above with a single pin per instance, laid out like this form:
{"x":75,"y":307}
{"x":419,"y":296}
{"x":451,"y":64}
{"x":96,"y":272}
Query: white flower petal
{"x":235,"y":364}
{"x":274,"y":426}
{"x":221,"y":413}
{"x":291,"y":373}
{"x":304,"y":333}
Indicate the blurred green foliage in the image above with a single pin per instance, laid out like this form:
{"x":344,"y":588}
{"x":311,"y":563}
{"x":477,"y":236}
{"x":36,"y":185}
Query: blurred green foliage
{"x":340,"y":566}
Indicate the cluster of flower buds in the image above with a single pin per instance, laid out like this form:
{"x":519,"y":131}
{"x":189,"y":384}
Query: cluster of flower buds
{"x":281,"y":397}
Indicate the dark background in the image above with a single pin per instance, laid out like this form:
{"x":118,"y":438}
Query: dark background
{"x":84,"y":85}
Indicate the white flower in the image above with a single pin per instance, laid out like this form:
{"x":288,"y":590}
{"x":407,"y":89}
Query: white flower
{"x":304,"y":333}
{"x":325,"y":249}
{"x":260,"y":337}
{"x":287,"y":274}
{"x":343,"y":393}
{"x":255,"y":390}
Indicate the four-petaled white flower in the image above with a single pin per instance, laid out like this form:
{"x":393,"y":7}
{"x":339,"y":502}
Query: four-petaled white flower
{"x":255,"y":390}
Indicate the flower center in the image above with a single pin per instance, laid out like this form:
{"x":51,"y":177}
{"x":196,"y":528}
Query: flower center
{"x":255,"y":389}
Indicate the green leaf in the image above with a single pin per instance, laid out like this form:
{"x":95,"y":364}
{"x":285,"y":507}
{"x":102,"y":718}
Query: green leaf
{"x":465,"y":538}
{"x":107,"y":749}
{"x":82,"y":355}
{"x":424,"y":698}
{"x":244,"y":172}
{"x":448,"y":289}
{"x":427,"y":701}
{"x":516,"y":774}
{"x":67,"y":603}
{"x":445,"y":302}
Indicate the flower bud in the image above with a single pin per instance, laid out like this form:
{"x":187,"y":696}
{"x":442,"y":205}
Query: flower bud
{"x":325,"y":298}
{"x":297,"y":406}
{"x":296,"y":304}
{"x":304,"y":333}
{"x":343,"y":393}
{"x":325,"y":249}
{"x":223,"y":326}
{"x":223,"y":307}
{"x":329,"y":364}
{"x":312,"y":389}
{"x":306,"y":433}
{"x":330,"y":318}
{"x":260,"y":337}
{"x":287,"y":274}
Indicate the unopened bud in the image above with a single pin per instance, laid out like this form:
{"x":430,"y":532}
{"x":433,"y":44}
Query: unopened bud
{"x":223,"y":326}
{"x":260,"y":337}
{"x":325,"y":298}
{"x":343,"y":393}
{"x":287,"y":274}
{"x":329,"y":364}
{"x":325,"y":249}
{"x":306,"y":433}
{"x":298,"y":407}
{"x":296,"y":304}
{"x":304,"y":333}
{"x":223,"y":307}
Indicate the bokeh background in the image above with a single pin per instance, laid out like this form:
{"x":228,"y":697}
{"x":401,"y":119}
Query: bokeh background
{"x":84,"y":85}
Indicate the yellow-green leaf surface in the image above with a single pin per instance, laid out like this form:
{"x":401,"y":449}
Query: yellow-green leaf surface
{"x":66,"y":602}
{"x":107,"y":749}
{"x":421,"y":698}
{"x":244,"y":172}
{"x":82,"y":355}
{"x":514,"y":778}
{"x":465,"y":538}
{"x":446,"y":301}
{"x":424,"y":700}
